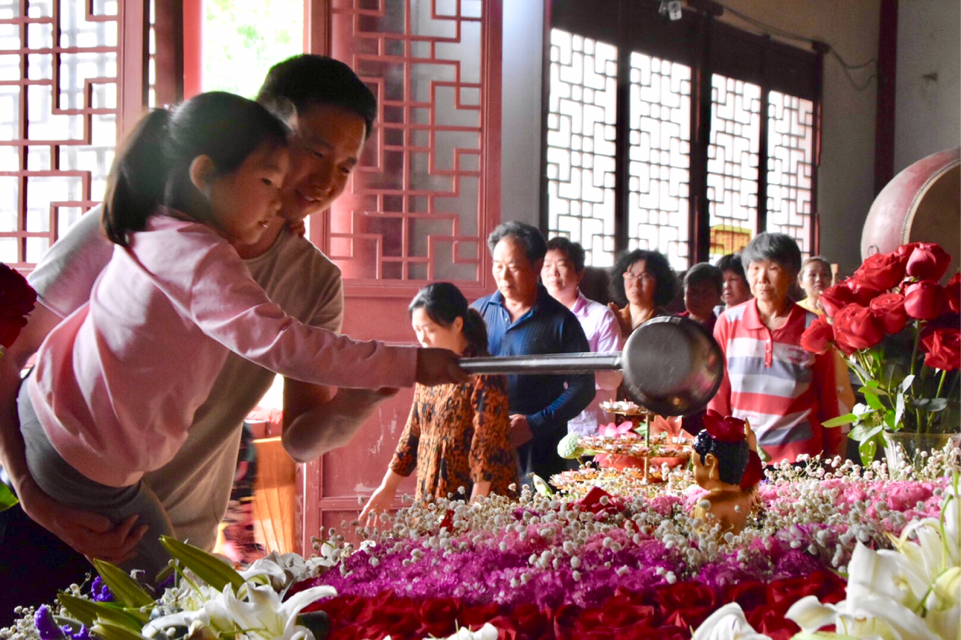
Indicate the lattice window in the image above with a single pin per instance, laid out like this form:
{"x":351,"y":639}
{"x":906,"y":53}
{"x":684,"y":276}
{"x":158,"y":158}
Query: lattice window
{"x":58,"y":117}
{"x":688,"y":137}
{"x":581,"y":116}
{"x":414,"y":210}
{"x":660,"y":139}
{"x":732,"y":165}
{"x":790,"y":182}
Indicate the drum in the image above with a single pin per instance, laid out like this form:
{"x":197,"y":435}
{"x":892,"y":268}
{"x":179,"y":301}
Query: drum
{"x":920,"y":204}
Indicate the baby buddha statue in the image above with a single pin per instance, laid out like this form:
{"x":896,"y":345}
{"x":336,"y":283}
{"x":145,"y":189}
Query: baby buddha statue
{"x":727,"y":466}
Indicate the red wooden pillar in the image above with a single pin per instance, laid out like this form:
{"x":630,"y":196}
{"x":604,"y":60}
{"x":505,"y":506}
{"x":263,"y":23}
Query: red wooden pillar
{"x":193,"y":23}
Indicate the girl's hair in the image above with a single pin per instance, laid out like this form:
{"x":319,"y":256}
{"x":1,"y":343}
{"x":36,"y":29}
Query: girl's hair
{"x":656,"y":263}
{"x":443,"y":303}
{"x":153,"y":166}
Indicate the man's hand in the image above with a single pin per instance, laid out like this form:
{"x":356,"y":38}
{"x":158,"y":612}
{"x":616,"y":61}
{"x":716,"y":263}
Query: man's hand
{"x":520,"y":431}
{"x":90,"y":534}
{"x":439,"y":366}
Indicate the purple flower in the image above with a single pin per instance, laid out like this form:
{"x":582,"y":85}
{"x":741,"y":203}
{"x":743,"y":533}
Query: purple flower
{"x":46,"y":625}
{"x":100,"y":592}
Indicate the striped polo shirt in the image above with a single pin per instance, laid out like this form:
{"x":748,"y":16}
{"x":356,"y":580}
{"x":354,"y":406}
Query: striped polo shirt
{"x":771,"y":381}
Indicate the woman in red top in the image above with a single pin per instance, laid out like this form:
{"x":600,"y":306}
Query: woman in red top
{"x":456,"y":434}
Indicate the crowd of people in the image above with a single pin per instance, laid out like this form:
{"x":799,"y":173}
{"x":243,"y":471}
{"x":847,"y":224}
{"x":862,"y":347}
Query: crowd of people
{"x":194,"y":272}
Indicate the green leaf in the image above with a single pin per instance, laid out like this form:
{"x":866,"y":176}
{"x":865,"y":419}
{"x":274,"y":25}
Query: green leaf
{"x":88,"y":612}
{"x":930,"y":404}
{"x":7,"y":498}
{"x":873,"y":401}
{"x":123,"y":586}
{"x":906,"y":383}
{"x":108,"y":631}
{"x":889,"y":421}
{"x":847,"y":418}
{"x":208,"y":568}
{"x":867,"y":449}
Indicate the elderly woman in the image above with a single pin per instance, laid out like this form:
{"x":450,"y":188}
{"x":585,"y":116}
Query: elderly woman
{"x":642,"y":282}
{"x":735,"y":289}
{"x":769,"y":379}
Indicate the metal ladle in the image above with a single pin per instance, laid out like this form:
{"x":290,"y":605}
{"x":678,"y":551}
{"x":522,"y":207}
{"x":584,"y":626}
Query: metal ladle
{"x":670,"y":365}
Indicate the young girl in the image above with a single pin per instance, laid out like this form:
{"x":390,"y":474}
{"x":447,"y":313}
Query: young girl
{"x":456,"y":434}
{"x":117,"y":382}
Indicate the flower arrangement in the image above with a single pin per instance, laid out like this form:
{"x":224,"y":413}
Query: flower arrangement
{"x":547,"y":567}
{"x":900,"y":332}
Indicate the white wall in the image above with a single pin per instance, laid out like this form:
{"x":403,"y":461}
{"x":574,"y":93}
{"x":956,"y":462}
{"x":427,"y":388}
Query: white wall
{"x":928,"y":93}
{"x":846,"y":178}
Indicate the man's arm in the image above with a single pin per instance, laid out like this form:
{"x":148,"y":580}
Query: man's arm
{"x":318,"y":419}
{"x":90,"y":534}
{"x":580,"y":387}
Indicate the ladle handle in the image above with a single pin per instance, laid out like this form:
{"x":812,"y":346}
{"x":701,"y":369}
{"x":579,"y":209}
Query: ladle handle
{"x":549,"y":363}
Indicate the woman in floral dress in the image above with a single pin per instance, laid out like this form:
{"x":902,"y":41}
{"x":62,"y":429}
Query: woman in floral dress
{"x":456,"y":434}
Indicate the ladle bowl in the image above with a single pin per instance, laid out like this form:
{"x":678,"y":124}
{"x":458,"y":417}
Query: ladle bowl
{"x":671,"y":365}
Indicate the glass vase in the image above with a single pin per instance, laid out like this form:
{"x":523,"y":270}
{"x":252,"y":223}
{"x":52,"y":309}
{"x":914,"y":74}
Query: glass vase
{"x":905,"y":450}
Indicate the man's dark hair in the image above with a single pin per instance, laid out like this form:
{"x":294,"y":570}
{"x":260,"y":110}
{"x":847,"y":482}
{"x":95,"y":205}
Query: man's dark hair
{"x":573,"y":250}
{"x":656,"y":263}
{"x":308,"y":79}
{"x":529,"y":237}
{"x":704,"y":272}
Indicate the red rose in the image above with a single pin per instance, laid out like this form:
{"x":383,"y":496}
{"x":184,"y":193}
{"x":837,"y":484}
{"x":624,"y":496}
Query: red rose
{"x":888,"y":308}
{"x":928,"y":261}
{"x":17,"y":299}
{"x":924,"y":300}
{"x":905,"y":250}
{"x":856,"y":328}
{"x":862,"y":292}
{"x":882,"y":271}
{"x":683,"y":595}
{"x":438,"y":616}
{"x":953,"y":293}
{"x":942,"y":349}
{"x":723,"y":428}
{"x":833,"y":299}
{"x":818,"y":336}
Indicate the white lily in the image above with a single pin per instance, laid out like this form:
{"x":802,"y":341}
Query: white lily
{"x":913,"y":592}
{"x":728,"y":623}
{"x":487,"y":632}
{"x":257,"y":613}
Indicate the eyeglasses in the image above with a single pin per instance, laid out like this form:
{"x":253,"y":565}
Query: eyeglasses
{"x":630,"y":276}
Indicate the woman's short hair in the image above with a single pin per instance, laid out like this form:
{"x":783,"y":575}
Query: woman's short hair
{"x":572,"y":250}
{"x":529,"y":237}
{"x":776,"y":247}
{"x":732,"y":262}
{"x":812,"y":259}
{"x":704,"y":272}
{"x":654,"y":262}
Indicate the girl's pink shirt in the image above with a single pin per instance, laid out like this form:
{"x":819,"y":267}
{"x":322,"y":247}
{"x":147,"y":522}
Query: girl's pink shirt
{"x":118,"y":381}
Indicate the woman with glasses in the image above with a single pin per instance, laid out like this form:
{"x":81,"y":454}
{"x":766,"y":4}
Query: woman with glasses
{"x":642,"y":283}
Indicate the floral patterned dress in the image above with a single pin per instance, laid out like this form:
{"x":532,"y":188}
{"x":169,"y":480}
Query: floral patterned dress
{"x":456,"y":435}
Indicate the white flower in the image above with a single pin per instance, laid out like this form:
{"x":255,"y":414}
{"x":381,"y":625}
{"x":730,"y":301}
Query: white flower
{"x":257,"y":613}
{"x":728,"y":623}
{"x":913,"y":592}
